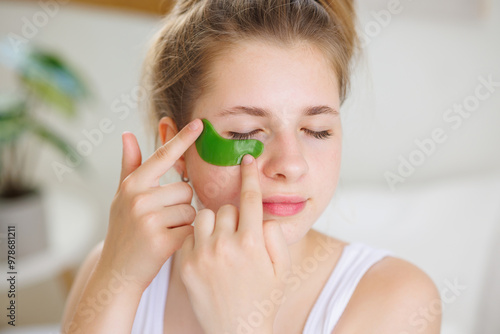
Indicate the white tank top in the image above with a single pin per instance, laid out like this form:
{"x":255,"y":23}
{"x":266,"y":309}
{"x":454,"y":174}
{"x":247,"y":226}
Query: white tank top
{"x":355,"y":260}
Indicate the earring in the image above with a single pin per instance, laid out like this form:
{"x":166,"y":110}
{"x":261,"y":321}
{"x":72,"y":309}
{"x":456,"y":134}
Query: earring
{"x":184,"y":179}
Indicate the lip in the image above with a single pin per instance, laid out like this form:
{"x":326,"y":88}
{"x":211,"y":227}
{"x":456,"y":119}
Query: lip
{"x":283,"y":199}
{"x":284,"y":205}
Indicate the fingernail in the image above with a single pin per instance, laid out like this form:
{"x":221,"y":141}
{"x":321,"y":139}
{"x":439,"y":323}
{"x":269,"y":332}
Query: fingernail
{"x":123,"y":137}
{"x":247,"y":159}
{"x":194,"y":124}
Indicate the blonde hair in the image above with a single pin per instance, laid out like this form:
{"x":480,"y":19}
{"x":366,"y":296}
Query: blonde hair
{"x":176,"y":71}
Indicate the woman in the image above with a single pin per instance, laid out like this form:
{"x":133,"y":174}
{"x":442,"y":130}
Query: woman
{"x":274,"y":71}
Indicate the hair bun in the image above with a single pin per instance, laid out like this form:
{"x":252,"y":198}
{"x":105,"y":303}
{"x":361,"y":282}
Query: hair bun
{"x":343,"y":12}
{"x":183,"y":6}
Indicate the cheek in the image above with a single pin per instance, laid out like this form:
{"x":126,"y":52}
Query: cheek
{"x":327,"y":167}
{"x":214,"y":185}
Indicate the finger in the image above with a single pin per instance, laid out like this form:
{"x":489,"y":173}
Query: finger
{"x":250,"y":220}
{"x":203,"y":227}
{"x":277,"y":247}
{"x":170,"y":216}
{"x":131,"y":155}
{"x":179,"y":235}
{"x":226,"y":221}
{"x":178,"y":215}
{"x":165,"y":156}
{"x":185,"y":250}
{"x":163,"y":196}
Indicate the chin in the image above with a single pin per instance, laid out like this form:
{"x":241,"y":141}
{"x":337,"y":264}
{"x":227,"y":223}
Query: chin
{"x":290,"y":234}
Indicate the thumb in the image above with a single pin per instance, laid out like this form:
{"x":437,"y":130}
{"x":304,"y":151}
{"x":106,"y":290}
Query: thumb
{"x":277,"y":247}
{"x":131,"y":155}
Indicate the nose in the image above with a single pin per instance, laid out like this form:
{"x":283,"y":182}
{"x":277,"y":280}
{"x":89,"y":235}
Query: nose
{"x":284,"y":158}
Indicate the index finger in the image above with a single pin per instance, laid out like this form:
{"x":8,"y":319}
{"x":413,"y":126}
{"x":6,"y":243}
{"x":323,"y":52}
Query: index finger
{"x":150,"y":172}
{"x":251,"y":215}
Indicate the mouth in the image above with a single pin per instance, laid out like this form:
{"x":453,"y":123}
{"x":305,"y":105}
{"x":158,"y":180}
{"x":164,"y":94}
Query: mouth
{"x":284,"y":205}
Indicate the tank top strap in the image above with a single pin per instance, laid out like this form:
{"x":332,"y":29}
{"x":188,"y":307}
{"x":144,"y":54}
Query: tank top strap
{"x":151,"y":309}
{"x":355,"y":260}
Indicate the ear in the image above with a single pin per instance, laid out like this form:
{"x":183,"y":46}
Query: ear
{"x":167,"y":129}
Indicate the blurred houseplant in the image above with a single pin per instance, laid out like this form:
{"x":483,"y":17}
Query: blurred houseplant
{"x":45,"y":83}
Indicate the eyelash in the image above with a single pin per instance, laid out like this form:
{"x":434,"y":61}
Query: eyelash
{"x":318,"y":135}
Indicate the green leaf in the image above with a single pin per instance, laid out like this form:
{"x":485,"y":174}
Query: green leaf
{"x":51,"y":80}
{"x":50,"y":94}
{"x":11,"y":129}
{"x":64,"y":77}
{"x":12,"y":121}
{"x":50,"y":137}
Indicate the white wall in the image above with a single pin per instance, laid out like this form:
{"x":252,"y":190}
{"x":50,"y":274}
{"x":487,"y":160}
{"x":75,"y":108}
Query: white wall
{"x":420,"y":68}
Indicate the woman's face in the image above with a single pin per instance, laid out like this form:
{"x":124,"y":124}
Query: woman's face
{"x":285,"y":83}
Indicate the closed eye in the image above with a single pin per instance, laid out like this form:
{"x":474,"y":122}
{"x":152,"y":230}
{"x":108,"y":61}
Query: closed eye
{"x":237,"y":135}
{"x":316,"y":134}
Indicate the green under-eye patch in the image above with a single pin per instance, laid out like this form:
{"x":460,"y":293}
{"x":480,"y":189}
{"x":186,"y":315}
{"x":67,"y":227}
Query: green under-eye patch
{"x":220,"y":151}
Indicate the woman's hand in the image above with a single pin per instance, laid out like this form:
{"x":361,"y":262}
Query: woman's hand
{"x":148,"y":222}
{"x":233,"y":263}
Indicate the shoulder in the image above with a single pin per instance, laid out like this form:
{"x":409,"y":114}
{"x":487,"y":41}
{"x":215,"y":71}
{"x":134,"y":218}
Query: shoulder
{"x":393,"y":296}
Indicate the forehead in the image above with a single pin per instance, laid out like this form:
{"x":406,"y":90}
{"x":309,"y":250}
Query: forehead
{"x":256,"y":73}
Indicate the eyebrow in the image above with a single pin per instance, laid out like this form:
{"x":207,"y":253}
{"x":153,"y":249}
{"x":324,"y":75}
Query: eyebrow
{"x":260,"y":112}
